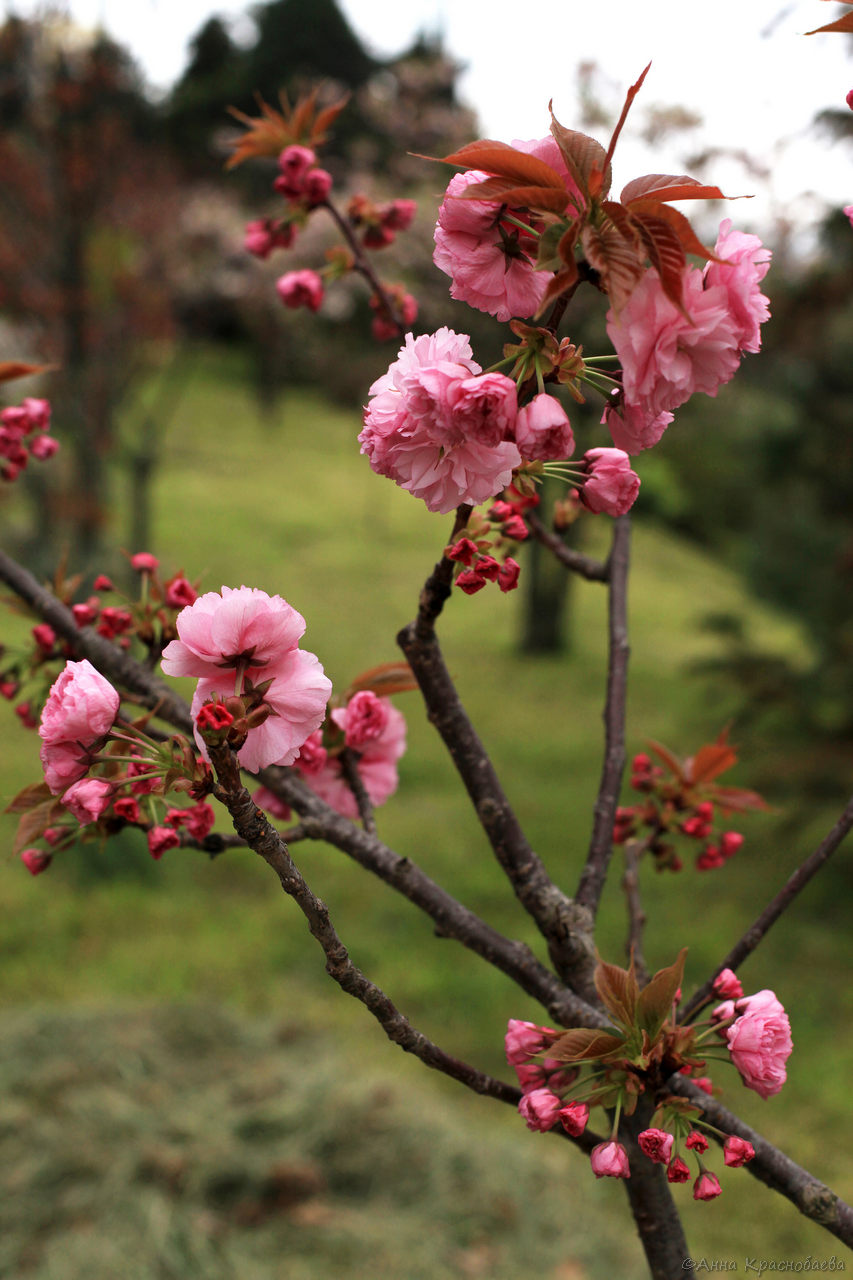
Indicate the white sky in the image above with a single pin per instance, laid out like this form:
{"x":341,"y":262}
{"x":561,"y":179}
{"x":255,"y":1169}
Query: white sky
{"x":744,"y":65}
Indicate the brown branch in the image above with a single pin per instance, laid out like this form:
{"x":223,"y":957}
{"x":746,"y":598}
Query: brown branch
{"x":796,"y":882}
{"x":586,"y":566}
{"x":601,"y":845}
{"x":566,"y":929}
{"x":349,"y":766}
{"x":363,"y":265}
{"x":772,"y":1167}
{"x":636,"y":914}
{"x":252,"y":826}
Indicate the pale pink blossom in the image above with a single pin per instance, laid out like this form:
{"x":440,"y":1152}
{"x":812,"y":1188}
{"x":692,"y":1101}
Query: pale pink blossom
{"x":746,"y":263}
{"x":427,"y":415}
{"x":656,"y":1144}
{"x":633,"y":428}
{"x":668,"y":354}
{"x":87,"y":799}
{"x":300,"y":289}
{"x":364,"y":719}
{"x":525,"y":1039}
{"x":377,"y":765}
{"x":543,"y":432}
{"x":489,"y":261}
{"x":611,"y":485}
{"x":610,"y":1160}
{"x":540,"y":1109}
{"x":80,"y":710}
{"x":241,"y":627}
{"x":144,"y":562}
{"x":848,"y":210}
{"x":759,"y":1042}
{"x":297,"y":700}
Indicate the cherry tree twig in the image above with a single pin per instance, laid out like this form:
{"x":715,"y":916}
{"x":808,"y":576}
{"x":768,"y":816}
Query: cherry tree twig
{"x":601,"y":845}
{"x":636,"y":914}
{"x":796,"y":882}
{"x":586,"y":566}
{"x":349,"y":765}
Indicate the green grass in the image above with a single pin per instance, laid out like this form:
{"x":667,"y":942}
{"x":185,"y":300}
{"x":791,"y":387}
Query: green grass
{"x":291,"y":507}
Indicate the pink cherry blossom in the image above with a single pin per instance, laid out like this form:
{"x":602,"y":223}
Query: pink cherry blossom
{"x":508,"y":575}
{"x":666,"y":355}
{"x":160,"y":839}
{"x":490,"y":262}
{"x":239,"y":627}
{"x":297,"y":698}
{"x":300,"y":289}
{"x":543,"y":432}
{"x":540,"y":1109}
{"x":144,"y":562}
{"x":573,"y":1117}
{"x":365,"y":718}
{"x":746,"y":263}
{"x":611,"y":485}
{"x":677,"y":1171}
{"x":737,"y":1151}
{"x":81,"y":708}
{"x":633,"y":428}
{"x":707,"y":1186}
{"x":425,"y":423}
{"x":271,"y":804}
{"x":377,"y":764}
{"x":87,"y":799}
{"x":610,"y":1160}
{"x":727,"y":984}
{"x":759,"y":1041}
{"x":294,"y":163}
{"x":656,"y":1144}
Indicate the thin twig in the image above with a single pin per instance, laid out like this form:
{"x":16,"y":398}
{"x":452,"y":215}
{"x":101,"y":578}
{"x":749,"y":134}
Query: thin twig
{"x":772,"y":1167}
{"x":364,"y":267}
{"x":586,"y":566}
{"x":601,"y":845}
{"x":349,"y":766}
{"x":636,"y":915}
{"x":795,"y":884}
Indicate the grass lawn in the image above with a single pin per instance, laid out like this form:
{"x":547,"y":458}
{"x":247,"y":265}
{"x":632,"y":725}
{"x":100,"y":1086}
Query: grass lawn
{"x":98,"y":951}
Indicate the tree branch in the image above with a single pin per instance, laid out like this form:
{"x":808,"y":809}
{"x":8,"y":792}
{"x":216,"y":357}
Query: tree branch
{"x":601,"y":845}
{"x":349,"y":766}
{"x":586,"y":566}
{"x":796,"y":882}
{"x":636,"y":914}
{"x":566,"y":928}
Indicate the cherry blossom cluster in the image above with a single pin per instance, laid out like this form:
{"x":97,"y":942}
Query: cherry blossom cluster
{"x":563,"y":1075}
{"x":24,"y":435}
{"x":106,"y":773}
{"x":679,"y":808}
{"x":449,"y":433}
{"x":368,"y":226}
{"x":368,"y":729}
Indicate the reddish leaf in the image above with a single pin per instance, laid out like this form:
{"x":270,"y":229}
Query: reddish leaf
{"x":388,"y":678}
{"x":844,"y":23}
{"x":583,"y":156}
{"x":507,"y":191}
{"x":11,"y":369}
{"x":618,"y":991}
{"x":629,"y":98}
{"x":665,"y":186}
{"x":690,"y":242}
{"x":672,"y":762}
{"x":738,"y":799}
{"x":665,"y":253}
{"x":584,"y":1042}
{"x":36,"y":793}
{"x":558,"y":285}
{"x":655,"y":1000}
{"x":710,"y":761}
{"x":616,"y":260}
{"x":33,"y":824}
{"x":506,"y":162}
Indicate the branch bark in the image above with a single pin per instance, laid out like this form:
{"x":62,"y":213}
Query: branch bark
{"x":589,"y":568}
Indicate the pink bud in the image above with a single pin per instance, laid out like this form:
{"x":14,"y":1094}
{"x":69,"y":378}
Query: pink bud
{"x":398,"y":215}
{"x":737,"y":1151}
{"x":524,"y":1040}
{"x":127,"y":808}
{"x":508,"y":576}
{"x":87,"y":799}
{"x":677,"y":1171}
{"x":301,"y":289}
{"x":705,"y":1084}
{"x":727,"y":985}
{"x":730,"y":842}
{"x":574,"y":1117}
{"x":696,"y":1141}
{"x":470,"y":581}
{"x":462,"y":551}
{"x":543,"y":431}
{"x":611,"y":485}
{"x":144,"y":562}
{"x":43,"y":447}
{"x":36,"y":860}
{"x":849,"y":99}
{"x":44,"y":636}
{"x":294,"y":163}
{"x":316,"y":186}
{"x":706,"y":1187}
{"x":540,"y":1109}
{"x":179,"y":593}
{"x":103,"y":583}
{"x":84,"y":614}
{"x":160,"y":839}
{"x":515,"y":528}
{"x":610,"y":1160}
{"x":656,"y":1144}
